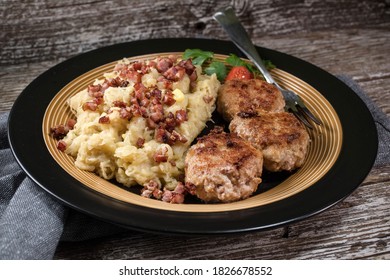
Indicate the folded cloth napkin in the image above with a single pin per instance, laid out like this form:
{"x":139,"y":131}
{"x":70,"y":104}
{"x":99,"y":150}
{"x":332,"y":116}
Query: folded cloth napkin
{"x":32,"y":223}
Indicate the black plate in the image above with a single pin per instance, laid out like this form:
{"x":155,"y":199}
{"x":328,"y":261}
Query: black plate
{"x":352,"y":166}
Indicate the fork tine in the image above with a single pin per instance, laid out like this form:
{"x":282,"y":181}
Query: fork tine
{"x":309,"y":114}
{"x":299,"y":116}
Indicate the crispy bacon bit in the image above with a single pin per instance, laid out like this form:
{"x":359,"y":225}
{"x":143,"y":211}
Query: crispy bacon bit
{"x":140,"y":142}
{"x":176,"y":196}
{"x":175,"y":73}
{"x":170,"y":122}
{"x":190,"y":71}
{"x":95,"y":90}
{"x":181,"y":116}
{"x":156,"y":113}
{"x":151,"y":124}
{"x":120,"y":104}
{"x":61,"y":145}
{"x":59,"y":131}
{"x":161,"y":155}
{"x":178,"y":137}
{"x":90,"y":105}
{"x":161,"y":135}
{"x":71,"y":123}
{"x":165,"y":82}
{"x":188,"y":66}
{"x":115,"y":82}
{"x":104,"y":119}
{"x":139,"y":90}
{"x":156,"y":94}
{"x":125,"y":113}
{"x":168,"y":98}
{"x":163,"y":64}
{"x":151,"y":189}
{"x":98,"y":100}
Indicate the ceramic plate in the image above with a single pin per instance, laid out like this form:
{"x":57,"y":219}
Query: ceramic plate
{"x":339,"y":157}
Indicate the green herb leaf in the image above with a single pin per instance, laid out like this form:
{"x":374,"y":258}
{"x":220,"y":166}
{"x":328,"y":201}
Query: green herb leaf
{"x":234,"y":60}
{"x":218,"y":68}
{"x":268,"y":64}
{"x":198,"y":56}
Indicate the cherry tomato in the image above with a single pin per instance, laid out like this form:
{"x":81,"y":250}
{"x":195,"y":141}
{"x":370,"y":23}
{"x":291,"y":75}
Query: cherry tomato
{"x":239,"y":72}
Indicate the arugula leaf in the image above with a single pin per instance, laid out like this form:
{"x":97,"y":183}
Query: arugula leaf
{"x":197,"y":55}
{"x":217,"y":67}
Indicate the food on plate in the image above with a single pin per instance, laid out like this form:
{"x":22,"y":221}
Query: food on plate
{"x":239,"y":72}
{"x":136,"y":123}
{"x":253,"y":95}
{"x":222,"y":167}
{"x":280,"y":136}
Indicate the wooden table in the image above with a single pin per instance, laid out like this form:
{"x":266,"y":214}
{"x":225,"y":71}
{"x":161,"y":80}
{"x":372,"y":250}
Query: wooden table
{"x":342,"y":37}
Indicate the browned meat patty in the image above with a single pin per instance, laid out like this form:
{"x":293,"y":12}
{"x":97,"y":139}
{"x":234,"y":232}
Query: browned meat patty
{"x":281,"y":137}
{"x":252,"y":95}
{"x":222,"y":167}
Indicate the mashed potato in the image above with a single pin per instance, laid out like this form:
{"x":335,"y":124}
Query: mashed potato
{"x":137,"y":123}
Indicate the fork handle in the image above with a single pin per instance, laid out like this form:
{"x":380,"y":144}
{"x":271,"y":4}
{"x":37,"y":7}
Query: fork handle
{"x":230,"y":23}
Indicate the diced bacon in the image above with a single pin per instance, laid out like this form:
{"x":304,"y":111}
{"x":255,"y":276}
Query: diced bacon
{"x":98,"y":100}
{"x":175,"y":73}
{"x":133,"y":76}
{"x":168,"y":98}
{"x":59,"y":131}
{"x":125,"y":113}
{"x":119,"y":104}
{"x":115,"y":82}
{"x":181,"y":116}
{"x":170,"y":122}
{"x":104,"y":119}
{"x":161,"y":155}
{"x":176,"y":196}
{"x":156,"y":93}
{"x":71,"y":123}
{"x":149,"y":188}
{"x":161,"y":135}
{"x":156,"y":113}
{"x":188,"y":66}
{"x":95,"y":90}
{"x":61,"y":145}
{"x":140,"y":142}
{"x":90,"y":105}
{"x":178,"y":137}
{"x":163,"y":64}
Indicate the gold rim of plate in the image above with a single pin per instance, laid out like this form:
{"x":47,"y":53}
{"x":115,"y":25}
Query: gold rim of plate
{"x":324,"y":149}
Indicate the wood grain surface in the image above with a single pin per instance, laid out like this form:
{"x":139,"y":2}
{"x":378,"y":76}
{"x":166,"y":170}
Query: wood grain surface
{"x":342,"y":37}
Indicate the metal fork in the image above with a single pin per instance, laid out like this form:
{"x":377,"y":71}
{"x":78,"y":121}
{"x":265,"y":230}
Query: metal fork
{"x":230,"y":23}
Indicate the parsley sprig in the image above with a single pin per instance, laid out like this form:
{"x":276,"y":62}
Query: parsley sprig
{"x":211,"y":65}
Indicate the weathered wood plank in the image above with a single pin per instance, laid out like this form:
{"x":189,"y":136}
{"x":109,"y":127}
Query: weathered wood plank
{"x":342,"y":37}
{"x":56,"y":30}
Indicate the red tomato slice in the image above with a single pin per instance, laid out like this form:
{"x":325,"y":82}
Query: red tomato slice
{"x":239,"y":72}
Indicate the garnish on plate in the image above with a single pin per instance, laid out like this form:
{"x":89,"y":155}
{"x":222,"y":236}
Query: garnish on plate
{"x":222,"y":69}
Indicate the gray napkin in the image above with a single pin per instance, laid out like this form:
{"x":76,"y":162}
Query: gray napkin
{"x":32,"y":223}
